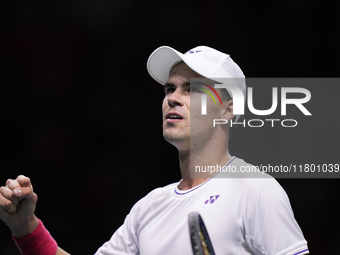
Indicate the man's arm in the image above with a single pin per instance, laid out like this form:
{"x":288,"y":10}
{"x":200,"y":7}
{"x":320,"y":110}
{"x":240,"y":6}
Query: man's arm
{"x":61,"y":252}
{"x":17,"y":206}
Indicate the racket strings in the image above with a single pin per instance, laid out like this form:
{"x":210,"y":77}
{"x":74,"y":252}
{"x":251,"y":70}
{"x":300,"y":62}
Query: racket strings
{"x":203,"y":243}
{"x":200,"y":240}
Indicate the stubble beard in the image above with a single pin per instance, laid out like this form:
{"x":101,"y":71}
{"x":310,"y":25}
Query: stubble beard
{"x":176,"y":136}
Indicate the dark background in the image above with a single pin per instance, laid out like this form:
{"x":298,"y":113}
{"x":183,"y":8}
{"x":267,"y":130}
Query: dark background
{"x":82,"y":118}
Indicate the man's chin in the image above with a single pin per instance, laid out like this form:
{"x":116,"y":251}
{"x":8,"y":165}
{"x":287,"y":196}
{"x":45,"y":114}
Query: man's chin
{"x":176,"y":139}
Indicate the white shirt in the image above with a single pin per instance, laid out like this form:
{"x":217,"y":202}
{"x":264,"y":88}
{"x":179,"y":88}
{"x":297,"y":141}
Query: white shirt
{"x":242,"y":215}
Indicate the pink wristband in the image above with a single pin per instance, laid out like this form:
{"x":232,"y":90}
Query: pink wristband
{"x":39,"y":242}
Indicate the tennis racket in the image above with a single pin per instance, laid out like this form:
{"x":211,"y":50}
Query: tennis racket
{"x":200,"y":240}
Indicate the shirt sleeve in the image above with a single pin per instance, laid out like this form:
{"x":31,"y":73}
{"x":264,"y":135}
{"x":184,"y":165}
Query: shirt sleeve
{"x":124,"y":240}
{"x":267,"y":219}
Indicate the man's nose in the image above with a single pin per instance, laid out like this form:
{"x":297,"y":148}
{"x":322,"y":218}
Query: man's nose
{"x":176,"y":98}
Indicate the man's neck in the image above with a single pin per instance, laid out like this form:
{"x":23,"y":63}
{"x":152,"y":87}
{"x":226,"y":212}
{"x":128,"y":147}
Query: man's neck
{"x":213,"y":153}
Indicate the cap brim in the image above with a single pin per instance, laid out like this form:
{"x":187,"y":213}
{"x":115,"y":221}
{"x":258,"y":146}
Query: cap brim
{"x":161,"y":62}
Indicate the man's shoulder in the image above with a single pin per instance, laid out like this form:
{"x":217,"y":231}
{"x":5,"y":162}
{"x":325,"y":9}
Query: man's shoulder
{"x":237,"y":168}
{"x":159,"y":193}
{"x":162,"y":191}
{"x":246,"y":177}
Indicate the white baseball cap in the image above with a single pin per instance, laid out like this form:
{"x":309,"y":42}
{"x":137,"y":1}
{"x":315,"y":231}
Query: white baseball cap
{"x":206,"y":61}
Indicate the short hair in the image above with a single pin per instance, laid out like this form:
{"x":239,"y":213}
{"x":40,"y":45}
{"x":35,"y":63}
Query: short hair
{"x":225,"y":96}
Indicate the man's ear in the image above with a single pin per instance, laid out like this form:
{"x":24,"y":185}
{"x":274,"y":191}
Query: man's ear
{"x":227,"y":110}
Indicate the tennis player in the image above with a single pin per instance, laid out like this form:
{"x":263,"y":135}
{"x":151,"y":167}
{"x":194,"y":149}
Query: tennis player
{"x":243,"y":215}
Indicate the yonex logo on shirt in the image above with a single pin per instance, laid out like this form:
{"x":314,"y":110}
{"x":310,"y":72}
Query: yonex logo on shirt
{"x":212,"y":199}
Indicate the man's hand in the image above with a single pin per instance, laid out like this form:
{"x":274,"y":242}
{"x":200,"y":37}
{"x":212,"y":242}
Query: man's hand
{"x":17,"y":206}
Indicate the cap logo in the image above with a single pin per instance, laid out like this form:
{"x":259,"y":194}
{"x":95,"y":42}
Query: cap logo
{"x":192,"y":51}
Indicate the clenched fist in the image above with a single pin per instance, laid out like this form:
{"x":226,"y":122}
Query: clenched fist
{"x":17,"y":206}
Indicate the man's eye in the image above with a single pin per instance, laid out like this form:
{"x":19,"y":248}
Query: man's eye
{"x":194,"y":89}
{"x":169,"y":90}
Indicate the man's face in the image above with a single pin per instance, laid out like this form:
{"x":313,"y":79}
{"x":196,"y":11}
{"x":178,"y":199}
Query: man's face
{"x":176,"y":109}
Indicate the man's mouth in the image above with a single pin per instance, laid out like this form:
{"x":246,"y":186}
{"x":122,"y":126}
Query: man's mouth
{"x":173,"y":117}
